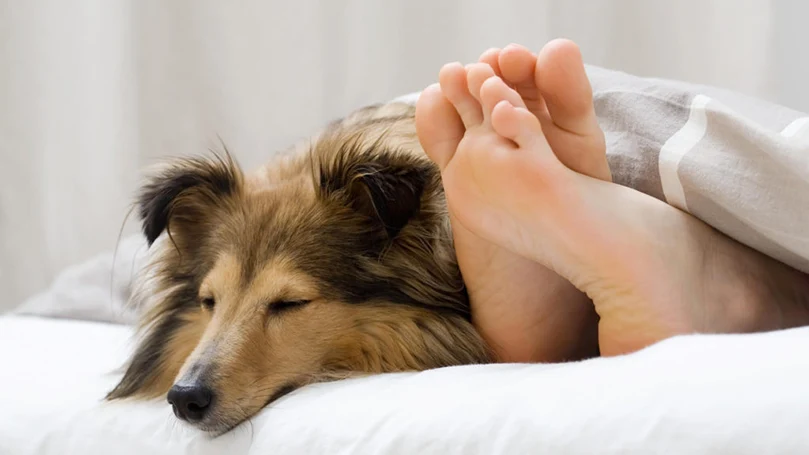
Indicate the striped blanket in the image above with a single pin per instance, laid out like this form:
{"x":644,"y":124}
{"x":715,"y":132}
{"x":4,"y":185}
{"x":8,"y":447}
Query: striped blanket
{"x":738,"y":163}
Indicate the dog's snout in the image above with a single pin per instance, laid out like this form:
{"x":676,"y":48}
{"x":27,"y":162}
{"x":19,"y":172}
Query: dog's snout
{"x":190,"y":402}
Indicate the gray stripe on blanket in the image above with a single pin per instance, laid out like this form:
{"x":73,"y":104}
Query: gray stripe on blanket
{"x":636,"y":125}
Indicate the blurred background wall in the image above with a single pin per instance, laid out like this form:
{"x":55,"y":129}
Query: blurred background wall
{"x":93,"y":90}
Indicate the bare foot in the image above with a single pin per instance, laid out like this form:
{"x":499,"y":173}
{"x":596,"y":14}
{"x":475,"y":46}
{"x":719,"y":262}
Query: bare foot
{"x":649,"y":268}
{"x":525,"y":312}
{"x":523,"y":309}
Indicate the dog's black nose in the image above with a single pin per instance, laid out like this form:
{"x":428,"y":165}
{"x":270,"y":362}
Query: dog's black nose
{"x":190,"y":402}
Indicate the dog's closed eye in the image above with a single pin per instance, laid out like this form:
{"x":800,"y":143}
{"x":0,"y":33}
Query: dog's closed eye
{"x":282,"y":306}
{"x":208,"y":303}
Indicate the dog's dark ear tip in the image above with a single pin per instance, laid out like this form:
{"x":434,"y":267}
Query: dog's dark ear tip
{"x":392,"y":197}
{"x":151,"y":235}
{"x":212,"y":179}
{"x":153,"y":222}
{"x":386,"y":186}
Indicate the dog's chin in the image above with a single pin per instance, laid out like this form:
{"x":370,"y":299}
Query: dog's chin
{"x":215,"y":429}
{"x":217,"y":426}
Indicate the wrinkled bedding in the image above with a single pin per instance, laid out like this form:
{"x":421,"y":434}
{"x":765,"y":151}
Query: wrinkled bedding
{"x":700,"y":394}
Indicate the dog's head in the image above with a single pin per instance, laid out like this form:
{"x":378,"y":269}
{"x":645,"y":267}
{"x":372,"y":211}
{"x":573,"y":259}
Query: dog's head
{"x":333,"y":261}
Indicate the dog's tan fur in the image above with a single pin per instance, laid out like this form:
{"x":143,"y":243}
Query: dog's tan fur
{"x":333,"y":259}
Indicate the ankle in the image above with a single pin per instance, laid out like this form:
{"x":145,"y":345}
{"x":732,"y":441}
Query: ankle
{"x":757,"y":292}
{"x":787,"y":295}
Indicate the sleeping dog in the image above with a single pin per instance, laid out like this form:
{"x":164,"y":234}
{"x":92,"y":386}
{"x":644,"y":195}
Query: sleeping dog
{"x":334,"y":259}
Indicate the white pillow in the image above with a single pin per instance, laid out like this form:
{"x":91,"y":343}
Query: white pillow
{"x":95,"y":290}
{"x":699,"y":394}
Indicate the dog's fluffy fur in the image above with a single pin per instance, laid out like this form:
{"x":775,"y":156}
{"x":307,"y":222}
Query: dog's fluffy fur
{"x":334,"y":259}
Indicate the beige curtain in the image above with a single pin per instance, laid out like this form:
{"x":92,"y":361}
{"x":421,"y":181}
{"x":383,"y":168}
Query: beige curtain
{"x":92,"y":90}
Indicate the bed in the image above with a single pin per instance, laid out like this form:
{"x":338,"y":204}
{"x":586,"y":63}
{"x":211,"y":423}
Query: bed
{"x":696,"y":394}
{"x":735,"y":394}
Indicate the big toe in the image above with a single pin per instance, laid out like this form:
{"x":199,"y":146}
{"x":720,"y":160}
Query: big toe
{"x":562,"y":81}
{"x":565,"y":88}
{"x":438,"y":125}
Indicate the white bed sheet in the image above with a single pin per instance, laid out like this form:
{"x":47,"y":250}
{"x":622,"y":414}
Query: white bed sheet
{"x":697,"y":394}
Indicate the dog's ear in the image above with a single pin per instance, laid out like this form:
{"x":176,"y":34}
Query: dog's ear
{"x":390,"y":195}
{"x":184,"y":193}
{"x":386,"y":190}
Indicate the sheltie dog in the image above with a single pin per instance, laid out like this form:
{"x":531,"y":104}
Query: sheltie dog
{"x":334,"y":259}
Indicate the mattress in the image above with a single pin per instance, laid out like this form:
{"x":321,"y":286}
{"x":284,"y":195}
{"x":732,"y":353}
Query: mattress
{"x":711,"y":394}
